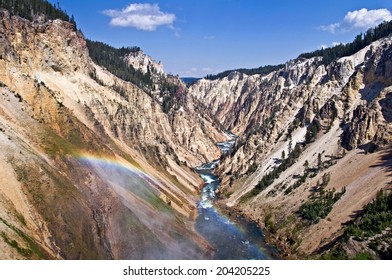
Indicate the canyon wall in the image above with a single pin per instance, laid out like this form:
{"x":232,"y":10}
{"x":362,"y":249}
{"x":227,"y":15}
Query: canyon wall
{"x":298,"y":125}
{"x":92,"y":167}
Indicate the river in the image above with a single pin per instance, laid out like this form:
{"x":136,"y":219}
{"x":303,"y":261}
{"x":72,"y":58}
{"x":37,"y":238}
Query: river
{"x":231,"y":236}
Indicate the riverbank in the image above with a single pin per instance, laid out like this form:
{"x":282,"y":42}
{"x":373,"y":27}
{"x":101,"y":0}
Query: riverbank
{"x":283,"y":251}
{"x":232,"y":235}
{"x":277,"y":248}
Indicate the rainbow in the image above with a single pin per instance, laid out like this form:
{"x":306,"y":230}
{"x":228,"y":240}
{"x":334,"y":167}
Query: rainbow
{"x":109,"y":161}
{"x":117,"y":164}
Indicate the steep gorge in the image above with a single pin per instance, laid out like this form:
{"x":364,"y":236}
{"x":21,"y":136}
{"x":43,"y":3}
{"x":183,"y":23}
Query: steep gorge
{"x":298,"y":126}
{"x":91,"y":165}
{"x":97,"y":167}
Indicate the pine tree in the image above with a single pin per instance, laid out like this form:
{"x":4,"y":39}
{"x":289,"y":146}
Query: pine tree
{"x":290,"y":148}
{"x":319,"y":162}
{"x":306,"y":166}
{"x":28,"y":8}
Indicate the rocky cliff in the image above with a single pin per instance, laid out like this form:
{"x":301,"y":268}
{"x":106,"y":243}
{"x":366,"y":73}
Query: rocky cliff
{"x":64,"y":123}
{"x":298,"y":125}
{"x":139,"y":60}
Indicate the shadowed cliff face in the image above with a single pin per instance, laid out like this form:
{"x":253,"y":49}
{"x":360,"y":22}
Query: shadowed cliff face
{"x":337,"y":114}
{"x":92,"y":172}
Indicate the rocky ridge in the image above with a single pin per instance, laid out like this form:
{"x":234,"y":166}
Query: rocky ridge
{"x":139,"y":60}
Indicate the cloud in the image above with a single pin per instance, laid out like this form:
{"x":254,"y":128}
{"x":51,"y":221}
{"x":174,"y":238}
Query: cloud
{"x":141,"y":16}
{"x":362,"y":19}
{"x":322,"y":46}
{"x":330,"y":28}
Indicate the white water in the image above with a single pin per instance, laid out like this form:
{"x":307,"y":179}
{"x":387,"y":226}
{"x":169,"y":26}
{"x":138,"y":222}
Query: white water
{"x":233,"y":237}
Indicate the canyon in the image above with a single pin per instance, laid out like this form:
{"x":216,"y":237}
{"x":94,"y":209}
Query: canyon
{"x":346,"y":100}
{"x":97,"y":167}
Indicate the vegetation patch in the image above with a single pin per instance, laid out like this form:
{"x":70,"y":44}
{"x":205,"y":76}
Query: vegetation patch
{"x":319,"y":206}
{"x":363,"y":256}
{"x":113,"y":60}
{"x":14,"y":244}
{"x":73,"y":137}
{"x":33,"y":251}
{"x":312,"y":130}
{"x":372,"y":228}
{"x":270,"y":177}
{"x":24,"y":8}
{"x":336,"y":253}
{"x":362,"y":40}
{"x":376,"y":217}
{"x":56,"y":145}
{"x":297,"y":184}
{"x":263,"y":70}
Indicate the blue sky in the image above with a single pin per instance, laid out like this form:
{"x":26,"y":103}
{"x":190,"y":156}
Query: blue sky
{"x":196,"y":38}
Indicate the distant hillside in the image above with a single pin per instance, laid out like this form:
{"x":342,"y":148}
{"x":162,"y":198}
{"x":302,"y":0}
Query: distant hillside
{"x":360,"y":41}
{"x":263,"y":70}
{"x":189,"y":80}
{"x":28,"y":8}
{"x":113,"y":60}
{"x":328,"y":54}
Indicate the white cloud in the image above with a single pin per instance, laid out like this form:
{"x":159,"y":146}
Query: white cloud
{"x":361,"y":19}
{"x":141,"y":16}
{"x":322,"y":46}
{"x":330,"y":28}
{"x":364,"y":19}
